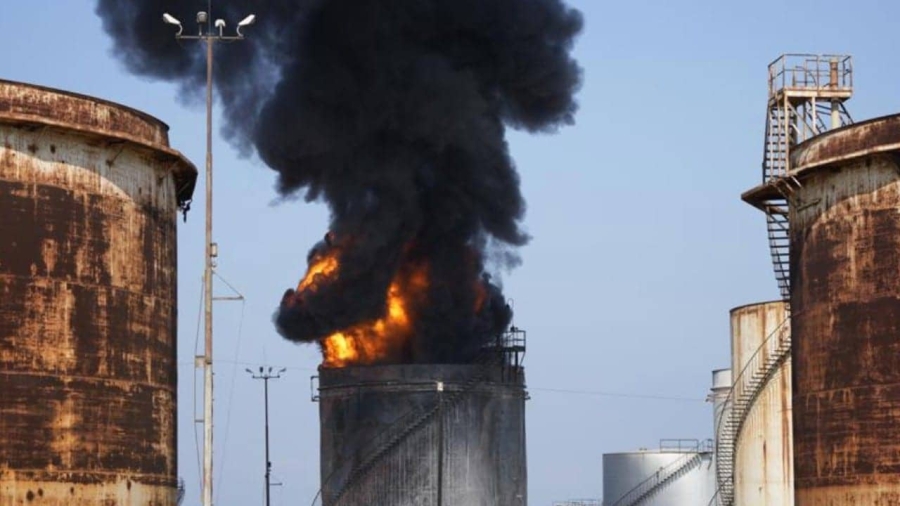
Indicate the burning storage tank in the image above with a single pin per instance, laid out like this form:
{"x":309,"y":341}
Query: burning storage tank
{"x":763,"y":467}
{"x":89,"y":192}
{"x":845,"y":304}
{"x":424,"y":434}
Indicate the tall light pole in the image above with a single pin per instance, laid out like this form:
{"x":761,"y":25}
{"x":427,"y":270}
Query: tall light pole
{"x":266,"y":375}
{"x":208,"y":36}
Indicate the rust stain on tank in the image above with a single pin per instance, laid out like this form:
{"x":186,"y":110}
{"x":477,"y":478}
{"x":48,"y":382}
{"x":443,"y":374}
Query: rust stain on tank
{"x":763,"y":470}
{"x":845,"y":256}
{"x":89,"y":192}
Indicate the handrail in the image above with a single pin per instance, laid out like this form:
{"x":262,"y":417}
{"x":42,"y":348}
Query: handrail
{"x":825,"y":72}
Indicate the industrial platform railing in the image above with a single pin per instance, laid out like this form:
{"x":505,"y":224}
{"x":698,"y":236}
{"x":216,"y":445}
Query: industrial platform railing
{"x":811,"y":72}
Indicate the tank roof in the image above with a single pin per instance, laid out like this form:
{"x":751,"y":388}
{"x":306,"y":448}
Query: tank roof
{"x":23,"y":104}
{"x":838,"y":146}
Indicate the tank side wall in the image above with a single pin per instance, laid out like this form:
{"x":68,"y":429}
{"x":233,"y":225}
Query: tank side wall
{"x":87,"y":322}
{"x":845,"y":256}
{"x":480,"y":433}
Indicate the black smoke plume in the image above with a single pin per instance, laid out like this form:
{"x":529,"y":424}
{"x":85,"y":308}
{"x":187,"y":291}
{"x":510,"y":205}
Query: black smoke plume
{"x":394,"y":113}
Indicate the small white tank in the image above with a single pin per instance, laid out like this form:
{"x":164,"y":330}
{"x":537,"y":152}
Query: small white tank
{"x":680,"y":473}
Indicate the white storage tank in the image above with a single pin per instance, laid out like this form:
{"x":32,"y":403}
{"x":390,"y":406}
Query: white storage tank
{"x":721,"y":387}
{"x":680,"y":473}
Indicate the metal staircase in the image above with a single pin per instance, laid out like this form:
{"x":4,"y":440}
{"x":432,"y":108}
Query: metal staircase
{"x":775,"y":169}
{"x":506,"y":352}
{"x":749,"y":383}
{"x":806,"y":98}
{"x":660,"y":479}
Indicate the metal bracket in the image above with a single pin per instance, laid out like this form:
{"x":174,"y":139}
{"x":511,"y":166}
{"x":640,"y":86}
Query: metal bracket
{"x":121,"y":144}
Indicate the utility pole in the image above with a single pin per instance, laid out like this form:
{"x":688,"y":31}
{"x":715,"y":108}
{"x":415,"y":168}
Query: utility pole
{"x":440,"y":443}
{"x":206,"y":34}
{"x":266,"y":375}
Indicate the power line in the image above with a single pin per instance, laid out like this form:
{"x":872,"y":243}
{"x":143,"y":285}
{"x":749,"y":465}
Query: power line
{"x":624,"y":395}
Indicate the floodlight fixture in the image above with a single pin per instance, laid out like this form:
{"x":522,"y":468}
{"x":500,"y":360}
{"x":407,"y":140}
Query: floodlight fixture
{"x":249,"y":20}
{"x":172,"y":20}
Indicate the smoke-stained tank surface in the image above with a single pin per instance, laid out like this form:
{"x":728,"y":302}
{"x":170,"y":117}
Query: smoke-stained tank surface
{"x":845,"y":305}
{"x":89,"y":194}
{"x":404,"y":435}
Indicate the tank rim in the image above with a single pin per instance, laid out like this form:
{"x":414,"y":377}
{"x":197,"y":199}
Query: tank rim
{"x":184,"y":170}
{"x":754,"y":304}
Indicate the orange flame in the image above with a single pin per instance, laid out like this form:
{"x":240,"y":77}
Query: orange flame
{"x":368,"y":342}
{"x":480,"y":295}
{"x":321,"y":267}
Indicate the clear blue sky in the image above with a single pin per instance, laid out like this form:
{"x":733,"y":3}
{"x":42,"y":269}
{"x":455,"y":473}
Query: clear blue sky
{"x":641,"y":244}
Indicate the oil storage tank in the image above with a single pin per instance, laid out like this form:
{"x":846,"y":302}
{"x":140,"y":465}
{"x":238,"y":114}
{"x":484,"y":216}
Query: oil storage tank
{"x":89,"y":194}
{"x":680,"y":473}
{"x":763,"y":467}
{"x":845,"y":305}
{"x":423,"y":435}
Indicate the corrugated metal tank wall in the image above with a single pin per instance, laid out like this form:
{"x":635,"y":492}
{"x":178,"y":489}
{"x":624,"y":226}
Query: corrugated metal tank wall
{"x":88,"y":199}
{"x":481,"y":426}
{"x":845,"y":260}
{"x":694,"y":486}
{"x":763,"y":459}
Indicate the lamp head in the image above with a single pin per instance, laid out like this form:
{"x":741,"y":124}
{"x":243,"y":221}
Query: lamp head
{"x":249,"y":20}
{"x":172,"y":20}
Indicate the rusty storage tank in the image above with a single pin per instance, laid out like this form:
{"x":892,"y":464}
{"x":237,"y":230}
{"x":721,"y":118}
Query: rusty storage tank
{"x":88,"y":197}
{"x":845,"y":305}
{"x":423,"y":435}
{"x":763,"y":468}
